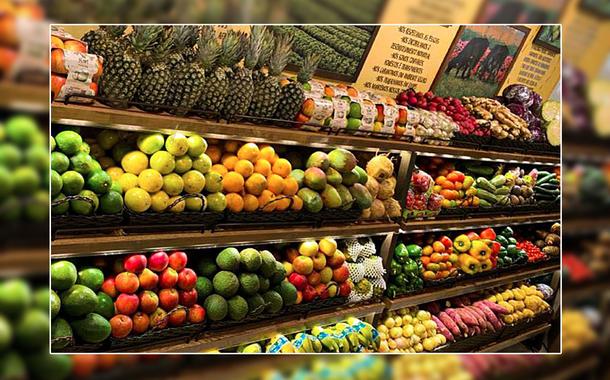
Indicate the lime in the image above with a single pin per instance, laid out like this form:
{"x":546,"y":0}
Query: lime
{"x":55,"y":304}
{"x":120,"y":150}
{"x":85,"y":148}
{"x":197,"y":145}
{"x":60,"y":208}
{"x":95,"y":166}
{"x":217,"y":202}
{"x":150,"y":143}
{"x":37,"y":208}
{"x":111,"y":202}
{"x":99,"y":181}
{"x":56,"y":182}
{"x":213,"y":182}
{"x":194,"y":181}
{"x":83,"y":163}
{"x":116,"y":186}
{"x":159,"y":201}
{"x":183,"y":164}
{"x":107,"y":138}
{"x":68,"y":142}
{"x":115,"y":173}
{"x":59,"y":162}
{"x":202,"y":163}
{"x":73,"y":182}
{"x":10,"y":155}
{"x":6,"y":182}
{"x":353,"y":123}
{"x":22,"y":130}
{"x":128,"y":181}
{"x":150,"y":180}
{"x":52,"y":142}
{"x":355,"y":111}
{"x":137,"y":199}
{"x":194,"y":204}
{"x":26,"y":180}
{"x":173,"y":184}
{"x":134,"y":162}
{"x":179,"y":206}
{"x":91,"y":278}
{"x":37,"y":157}
{"x":84,"y":207}
{"x":163,"y":162}
{"x":177,"y":144}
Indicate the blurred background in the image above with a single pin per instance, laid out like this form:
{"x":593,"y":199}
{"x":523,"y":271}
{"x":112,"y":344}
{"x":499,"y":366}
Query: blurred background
{"x":24,"y":188}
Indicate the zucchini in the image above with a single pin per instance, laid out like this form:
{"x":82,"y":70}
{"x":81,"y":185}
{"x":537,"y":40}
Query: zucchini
{"x":555,"y":181}
{"x":543,"y":174}
{"x":484,"y":203}
{"x":484,"y":184}
{"x":545,"y":179}
{"x":503,"y":200}
{"x":539,"y":190}
{"x":548,"y":186}
{"x":498,"y":180}
{"x":502,"y":191}
{"x":489,"y":197}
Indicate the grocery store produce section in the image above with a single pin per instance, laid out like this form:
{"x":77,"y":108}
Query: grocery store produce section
{"x":206,"y":199}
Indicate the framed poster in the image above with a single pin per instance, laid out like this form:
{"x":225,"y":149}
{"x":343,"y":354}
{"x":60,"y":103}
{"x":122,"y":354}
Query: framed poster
{"x":479,"y":60}
{"x":549,"y":36}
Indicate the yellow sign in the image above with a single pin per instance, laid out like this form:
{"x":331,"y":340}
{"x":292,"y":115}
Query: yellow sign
{"x":405,"y":56}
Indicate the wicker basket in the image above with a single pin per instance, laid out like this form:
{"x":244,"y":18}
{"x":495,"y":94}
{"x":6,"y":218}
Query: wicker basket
{"x":79,"y":222}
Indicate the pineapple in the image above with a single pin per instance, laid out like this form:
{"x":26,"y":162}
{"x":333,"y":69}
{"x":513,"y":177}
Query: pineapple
{"x":217,"y":82}
{"x":185,"y":36}
{"x":267,"y":88}
{"x":292,"y":94}
{"x":241,"y":86}
{"x":106,"y":41}
{"x":189,"y":79}
{"x":123,"y":72}
{"x":261,"y":68}
{"x":156,"y":74}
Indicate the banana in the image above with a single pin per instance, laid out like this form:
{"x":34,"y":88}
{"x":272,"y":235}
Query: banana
{"x":326,"y":339}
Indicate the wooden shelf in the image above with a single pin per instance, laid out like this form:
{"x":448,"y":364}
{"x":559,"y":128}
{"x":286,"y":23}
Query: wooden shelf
{"x":24,"y":97}
{"x":24,"y":262}
{"x":577,"y":292}
{"x":476,"y":222}
{"x":470,"y":285}
{"x":234,"y":336}
{"x":134,"y":120}
{"x":530,"y":333}
{"x":121,"y":243}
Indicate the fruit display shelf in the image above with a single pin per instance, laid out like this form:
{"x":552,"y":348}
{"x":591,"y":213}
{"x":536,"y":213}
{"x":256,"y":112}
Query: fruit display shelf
{"x":430,"y":225}
{"x":472,"y":285}
{"x":133,"y":120}
{"x":244,"y":333}
{"x":114,"y":244}
{"x":24,"y":262}
{"x":24,"y":97}
{"x":515,"y":339}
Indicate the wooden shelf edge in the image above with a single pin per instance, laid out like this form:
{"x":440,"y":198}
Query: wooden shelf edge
{"x":530,"y":333}
{"x":116,"y":244}
{"x":101,"y":116}
{"x":476,"y":222}
{"x":24,"y":262}
{"x":24,"y":97}
{"x":469,"y":286}
{"x":235,"y":336}
{"x":574,"y":292}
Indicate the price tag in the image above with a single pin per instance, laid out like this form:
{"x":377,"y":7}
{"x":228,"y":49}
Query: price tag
{"x":278,"y":344}
{"x":341,"y":108}
{"x":369,"y":114}
{"x":317,"y":88}
{"x":33,"y":47}
{"x":390,"y":116}
{"x":323,"y":109}
{"x":75,"y":87}
{"x":80,"y":66}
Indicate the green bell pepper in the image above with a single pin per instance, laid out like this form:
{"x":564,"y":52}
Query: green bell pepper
{"x":414,"y":251}
{"x":410,"y":267}
{"x":401,"y":280}
{"x":395,"y":268}
{"x":401,"y":255}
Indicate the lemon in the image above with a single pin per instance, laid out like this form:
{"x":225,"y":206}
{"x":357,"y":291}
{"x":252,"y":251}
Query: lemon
{"x":115,"y":172}
{"x":137,"y":199}
{"x":194,"y":204}
{"x":150,"y":143}
{"x":173,"y":184}
{"x":134,"y":162}
{"x":197,"y":145}
{"x":150,"y":180}
{"x":194,"y":181}
{"x":163,"y":162}
{"x":177,"y":144}
{"x":183,"y":164}
{"x":179,"y":207}
{"x":202,"y":163}
{"x":128,"y":181}
{"x":159,"y":201}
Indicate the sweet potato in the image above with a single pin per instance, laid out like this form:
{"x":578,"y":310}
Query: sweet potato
{"x":491,"y":317}
{"x":440,"y":326}
{"x":480,"y":316}
{"x":457,"y":319}
{"x":493,"y":307}
{"x":467,"y":317}
{"x":449,"y":323}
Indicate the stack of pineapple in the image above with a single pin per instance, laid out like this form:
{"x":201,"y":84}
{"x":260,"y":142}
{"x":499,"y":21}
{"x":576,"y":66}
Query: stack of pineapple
{"x":183,"y":68}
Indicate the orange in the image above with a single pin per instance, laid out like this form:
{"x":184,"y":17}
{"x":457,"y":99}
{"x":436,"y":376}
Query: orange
{"x":267,"y":153}
{"x":256,"y":184}
{"x":235,"y":202}
{"x":273,"y":159}
{"x":231,"y":146}
{"x":229,"y":160}
{"x":250,"y":203}
{"x":245,"y":168}
{"x":264,"y":201}
{"x":282,"y":204}
{"x":220,"y":169}
{"x":249,"y":152}
{"x":263,"y":167}
{"x":297,"y":203}
{"x":352,"y":92}
{"x":275,"y":183}
{"x":282,"y":167}
{"x":437,"y":246}
{"x":233,"y":182}
{"x":291,"y":186}
{"x":215,"y":153}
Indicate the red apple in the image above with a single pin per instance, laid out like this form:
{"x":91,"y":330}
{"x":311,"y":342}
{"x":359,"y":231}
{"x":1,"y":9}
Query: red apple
{"x":168,"y":278}
{"x":121,"y":326}
{"x":127,"y":304}
{"x":187,"y":298}
{"x":341,"y":274}
{"x":168,"y":299}
{"x":126,"y":282}
{"x":322,"y":291}
{"x":148,"y":279}
{"x":158,"y":261}
{"x":187,"y":279}
{"x":298,"y":280}
{"x":345,"y":289}
{"x":291,"y":254}
{"x":309,"y":293}
{"x":135,"y":263}
{"x":141,"y":323}
{"x":149,"y":301}
{"x":158,"y":319}
{"x":336,"y":260}
{"x":178,"y":260}
{"x":314,"y":278}
{"x":196,"y":314}
{"x":177,"y":317}
{"x":109,"y":288}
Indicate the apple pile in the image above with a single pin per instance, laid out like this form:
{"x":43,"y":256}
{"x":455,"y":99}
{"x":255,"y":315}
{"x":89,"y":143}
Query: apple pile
{"x":152,"y":293}
{"x":450,"y":106}
{"x":317,"y":270}
{"x":422,"y":201}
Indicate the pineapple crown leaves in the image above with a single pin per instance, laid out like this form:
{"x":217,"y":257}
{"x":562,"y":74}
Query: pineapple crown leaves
{"x":185,"y":36}
{"x":254,"y":45}
{"x":231,"y":49}
{"x":209,"y":48}
{"x":116,"y":31}
{"x":310,"y":63}
{"x":280,"y":55}
{"x":145,"y":37}
{"x":266,"y":50}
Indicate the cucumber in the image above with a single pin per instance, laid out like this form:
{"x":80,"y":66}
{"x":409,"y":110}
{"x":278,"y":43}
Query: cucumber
{"x":484,"y":203}
{"x":545,"y":179}
{"x":539,"y":190}
{"x":484,"y":184}
{"x":504,"y":190}
{"x":543,"y":173}
{"x":489,"y":197}
{"x":554,"y":181}
{"x":498,"y":180}
{"x":548,"y":186}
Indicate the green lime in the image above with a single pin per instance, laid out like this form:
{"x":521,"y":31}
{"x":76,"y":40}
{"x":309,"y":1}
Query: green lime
{"x":68,"y":142}
{"x":55,"y":304}
{"x":6,"y":182}
{"x":107,"y":138}
{"x":61,"y":208}
{"x":22,"y":130}
{"x":111,"y":202}
{"x":116,"y":186}
{"x":150,"y":143}
{"x":83,"y":207}
{"x":27,"y":180}
{"x":355,"y":110}
{"x":38,"y":157}
{"x":85,"y":148}
{"x":91,"y":278}
{"x":10,"y":155}
{"x":73,"y":182}
{"x":56,"y":182}
{"x":99,"y":181}
{"x":53,"y":144}
{"x":83,"y":163}
{"x":59,"y":162}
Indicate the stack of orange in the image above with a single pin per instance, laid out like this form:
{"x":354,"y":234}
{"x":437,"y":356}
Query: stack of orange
{"x":254,"y":177}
